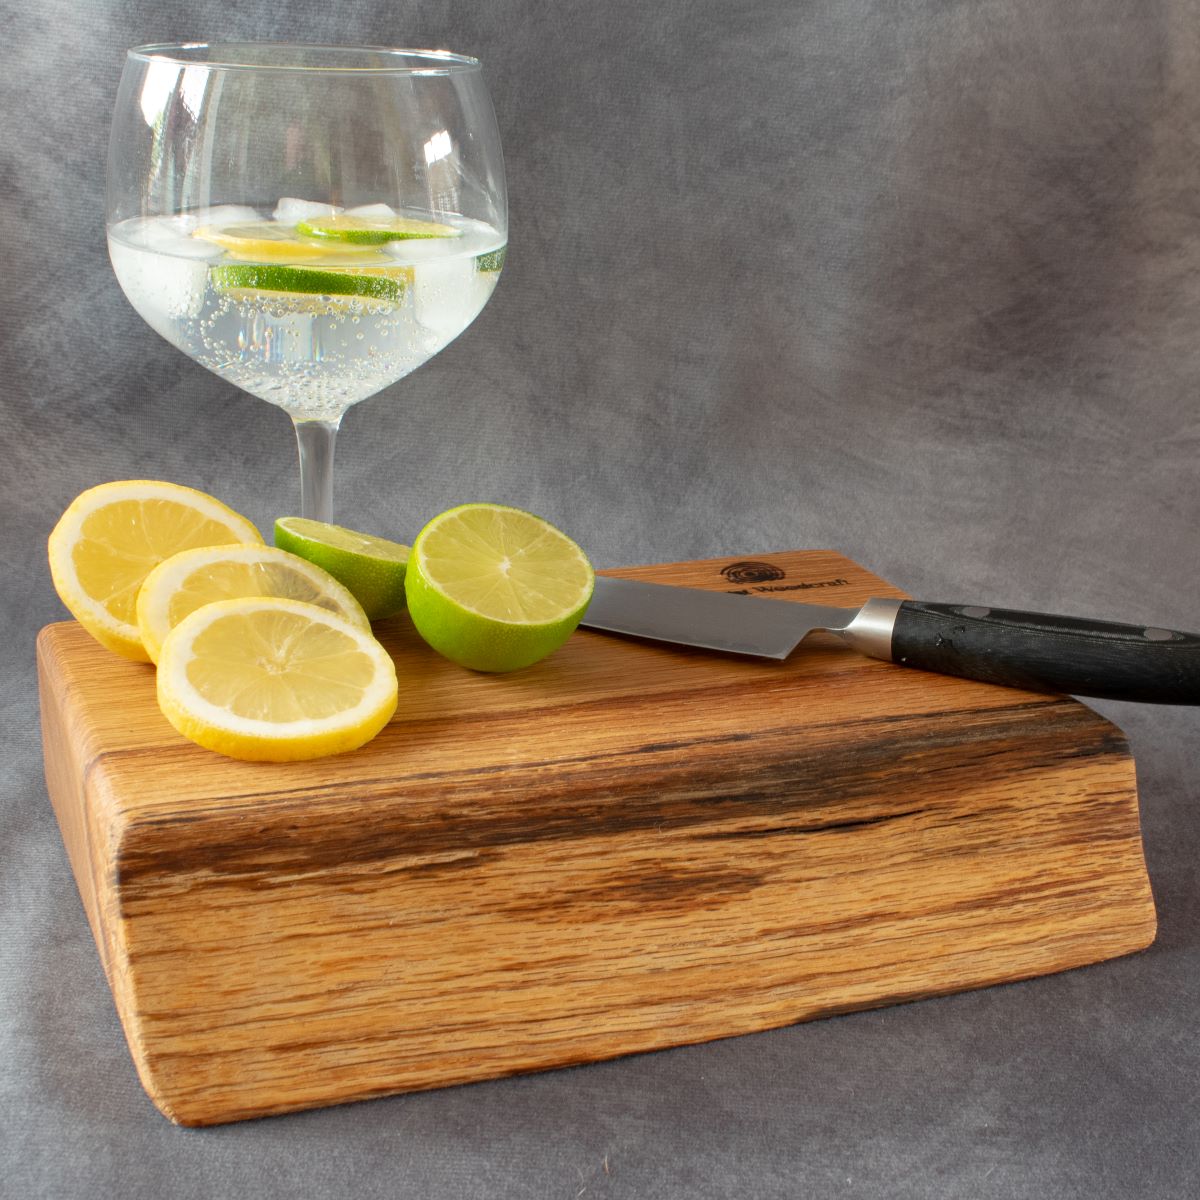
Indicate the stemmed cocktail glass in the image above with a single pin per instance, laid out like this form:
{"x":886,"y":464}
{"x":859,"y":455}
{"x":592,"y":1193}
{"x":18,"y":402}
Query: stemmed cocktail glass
{"x":311,"y":223}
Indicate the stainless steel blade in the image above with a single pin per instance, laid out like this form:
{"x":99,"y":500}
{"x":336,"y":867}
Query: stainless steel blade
{"x":1036,"y":651}
{"x":714,"y":620}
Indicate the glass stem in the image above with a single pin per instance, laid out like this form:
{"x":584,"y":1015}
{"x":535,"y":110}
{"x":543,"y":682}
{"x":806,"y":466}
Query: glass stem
{"x":315,"y":440}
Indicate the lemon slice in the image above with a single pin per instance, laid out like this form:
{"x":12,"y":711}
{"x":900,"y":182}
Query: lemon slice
{"x":188,"y":581}
{"x":112,"y":536}
{"x":270,"y":242}
{"x":255,"y":281}
{"x":371,"y":567}
{"x":496,"y":588}
{"x":364,"y":231}
{"x":272,"y":680}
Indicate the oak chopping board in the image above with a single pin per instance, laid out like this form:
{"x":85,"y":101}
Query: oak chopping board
{"x":625,"y":847}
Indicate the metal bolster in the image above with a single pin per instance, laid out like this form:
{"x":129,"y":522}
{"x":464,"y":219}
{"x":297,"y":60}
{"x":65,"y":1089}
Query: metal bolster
{"x":871,"y":630}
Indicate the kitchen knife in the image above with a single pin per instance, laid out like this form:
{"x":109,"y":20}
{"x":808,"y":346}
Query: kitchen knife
{"x":1035,"y":651}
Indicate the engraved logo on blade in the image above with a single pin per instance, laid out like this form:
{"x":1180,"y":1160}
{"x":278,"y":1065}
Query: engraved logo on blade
{"x":751,"y":572}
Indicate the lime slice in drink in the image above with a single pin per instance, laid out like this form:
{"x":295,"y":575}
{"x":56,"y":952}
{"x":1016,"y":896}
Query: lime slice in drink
{"x":254,"y":279}
{"x":496,"y":588}
{"x":371,"y":568}
{"x":271,"y":242}
{"x":493,"y":260}
{"x":362,"y":231}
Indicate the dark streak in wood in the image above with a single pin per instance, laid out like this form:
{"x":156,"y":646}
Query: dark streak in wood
{"x":659,"y":891}
{"x":774,"y":777}
{"x":794,"y":830}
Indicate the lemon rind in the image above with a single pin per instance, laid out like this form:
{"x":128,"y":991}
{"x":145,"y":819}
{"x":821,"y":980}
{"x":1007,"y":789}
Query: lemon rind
{"x":217,"y":729}
{"x":122,"y":638}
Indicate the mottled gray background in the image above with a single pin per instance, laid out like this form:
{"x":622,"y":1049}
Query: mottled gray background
{"x":913,"y":279}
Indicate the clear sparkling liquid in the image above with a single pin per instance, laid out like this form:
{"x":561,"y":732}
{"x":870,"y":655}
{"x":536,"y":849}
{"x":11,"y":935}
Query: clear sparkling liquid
{"x":313,"y":355}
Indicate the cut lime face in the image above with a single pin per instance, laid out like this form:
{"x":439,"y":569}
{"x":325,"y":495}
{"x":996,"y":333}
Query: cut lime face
{"x":371,"y":568}
{"x":495,"y":588}
{"x":372,"y":283}
{"x":362,"y":231}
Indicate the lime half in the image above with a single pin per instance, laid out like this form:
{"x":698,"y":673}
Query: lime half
{"x":363,"y":231}
{"x":371,"y":568}
{"x":496,"y":588}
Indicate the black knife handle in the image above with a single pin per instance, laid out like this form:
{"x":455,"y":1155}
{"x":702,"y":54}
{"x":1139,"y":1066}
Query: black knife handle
{"x":1045,"y":653}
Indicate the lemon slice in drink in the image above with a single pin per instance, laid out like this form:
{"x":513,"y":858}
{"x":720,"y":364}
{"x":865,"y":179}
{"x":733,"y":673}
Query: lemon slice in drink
{"x":274,"y":680}
{"x":188,"y":581}
{"x":112,"y":536}
{"x":365,"y":231}
{"x":271,"y":242}
{"x":496,"y":588}
{"x":371,"y":567}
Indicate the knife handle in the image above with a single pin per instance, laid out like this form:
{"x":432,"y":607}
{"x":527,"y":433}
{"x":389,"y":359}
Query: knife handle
{"x":1045,"y":653}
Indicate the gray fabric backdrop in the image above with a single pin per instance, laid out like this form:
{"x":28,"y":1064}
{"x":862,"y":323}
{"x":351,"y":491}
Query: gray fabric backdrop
{"x":914,"y":280}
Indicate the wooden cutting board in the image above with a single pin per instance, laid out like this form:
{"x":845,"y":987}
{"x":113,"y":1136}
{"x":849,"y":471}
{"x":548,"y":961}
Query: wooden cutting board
{"x":626,"y":847}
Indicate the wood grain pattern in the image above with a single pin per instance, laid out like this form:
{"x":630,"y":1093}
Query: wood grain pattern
{"x":626,"y":847}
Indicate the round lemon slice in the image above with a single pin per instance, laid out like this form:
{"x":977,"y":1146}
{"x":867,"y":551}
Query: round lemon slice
{"x":495,"y":588}
{"x":112,"y":536}
{"x":272,"y":242}
{"x":188,"y":581}
{"x":271,"y":680}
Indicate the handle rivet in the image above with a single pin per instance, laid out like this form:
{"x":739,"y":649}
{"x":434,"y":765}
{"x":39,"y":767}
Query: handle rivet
{"x":1157,"y":635}
{"x":974,"y":612}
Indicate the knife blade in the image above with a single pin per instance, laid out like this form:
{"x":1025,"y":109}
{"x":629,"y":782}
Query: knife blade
{"x":1036,"y":651}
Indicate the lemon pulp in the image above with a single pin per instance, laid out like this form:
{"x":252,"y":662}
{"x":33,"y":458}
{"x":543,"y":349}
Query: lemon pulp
{"x":188,"y":581}
{"x":112,"y":536}
{"x":272,"y":679}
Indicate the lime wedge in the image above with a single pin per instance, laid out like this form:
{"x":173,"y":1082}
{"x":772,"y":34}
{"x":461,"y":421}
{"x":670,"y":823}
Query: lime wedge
{"x":271,"y":242}
{"x":361,"y":231}
{"x":371,"y":283}
{"x":371,"y":568}
{"x":496,"y":588}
